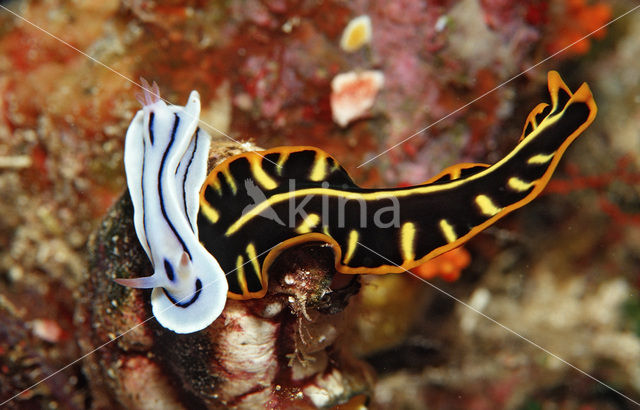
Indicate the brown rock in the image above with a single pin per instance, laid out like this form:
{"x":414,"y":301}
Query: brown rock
{"x":284,"y":350}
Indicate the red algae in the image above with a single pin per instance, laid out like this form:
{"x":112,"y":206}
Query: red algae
{"x":575,"y":20}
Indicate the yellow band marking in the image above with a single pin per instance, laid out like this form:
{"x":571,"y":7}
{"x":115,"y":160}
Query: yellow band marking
{"x":447,"y":231}
{"x":208,"y":211}
{"x":519,"y":185}
{"x":427,"y":189}
{"x":319,"y":170}
{"x":454,"y":171}
{"x":334,"y":166}
{"x":242,"y":280}
{"x":308,"y":223}
{"x":284,"y":156}
{"x":351,"y":246}
{"x":263,"y":179}
{"x":486,"y":205}
{"x":230,"y":180}
{"x":532,"y":120}
{"x":407,"y":239}
{"x":358,"y":196}
{"x":215,"y":182}
{"x":540,"y":158}
{"x":251,"y":253}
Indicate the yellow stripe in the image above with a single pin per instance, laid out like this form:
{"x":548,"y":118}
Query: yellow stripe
{"x":519,"y":185}
{"x":251,"y":253}
{"x":242,"y":280}
{"x":285,"y":196}
{"x":357,"y":196}
{"x":351,"y":246}
{"x":263,"y":179}
{"x":487,"y":207}
{"x":309,"y":223}
{"x":325,"y":230}
{"x":230,"y":180}
{"x":424,"y":189}
{"x":531,"y":119}
{"x":215,"y":182}
{"x":447,"y":231}
{"x":319,"y":170}
{"x":281,"y":160}
{"x":456,"y":172}
{"x":208,"y":211}
{"x":540,"y":158}
{"x":407,"y":238}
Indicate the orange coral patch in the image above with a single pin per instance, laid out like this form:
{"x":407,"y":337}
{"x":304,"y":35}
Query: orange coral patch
{"x":579,"y":18}
{"x":448,"y":266}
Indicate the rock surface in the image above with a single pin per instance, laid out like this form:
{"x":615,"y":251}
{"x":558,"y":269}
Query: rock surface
{"x":286,"y":350}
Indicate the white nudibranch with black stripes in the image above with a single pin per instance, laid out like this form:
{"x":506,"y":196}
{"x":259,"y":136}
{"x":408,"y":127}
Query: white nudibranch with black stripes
{"x":165,"y":161}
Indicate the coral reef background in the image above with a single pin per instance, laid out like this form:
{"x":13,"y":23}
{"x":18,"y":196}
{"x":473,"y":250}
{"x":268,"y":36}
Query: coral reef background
{"x":562,"y":272}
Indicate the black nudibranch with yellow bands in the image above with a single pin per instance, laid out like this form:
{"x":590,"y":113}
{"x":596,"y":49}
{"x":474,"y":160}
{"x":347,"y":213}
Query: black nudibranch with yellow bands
{"x":257,"y":204}
{"x":432,"y":218}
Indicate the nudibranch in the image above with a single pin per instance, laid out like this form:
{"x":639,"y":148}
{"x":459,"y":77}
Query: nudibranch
{"x":165,"y":162}
{"x":255,"y":205}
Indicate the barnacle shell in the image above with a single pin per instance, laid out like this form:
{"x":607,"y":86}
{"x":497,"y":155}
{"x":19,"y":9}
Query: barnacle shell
{"x":286,"y":350}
